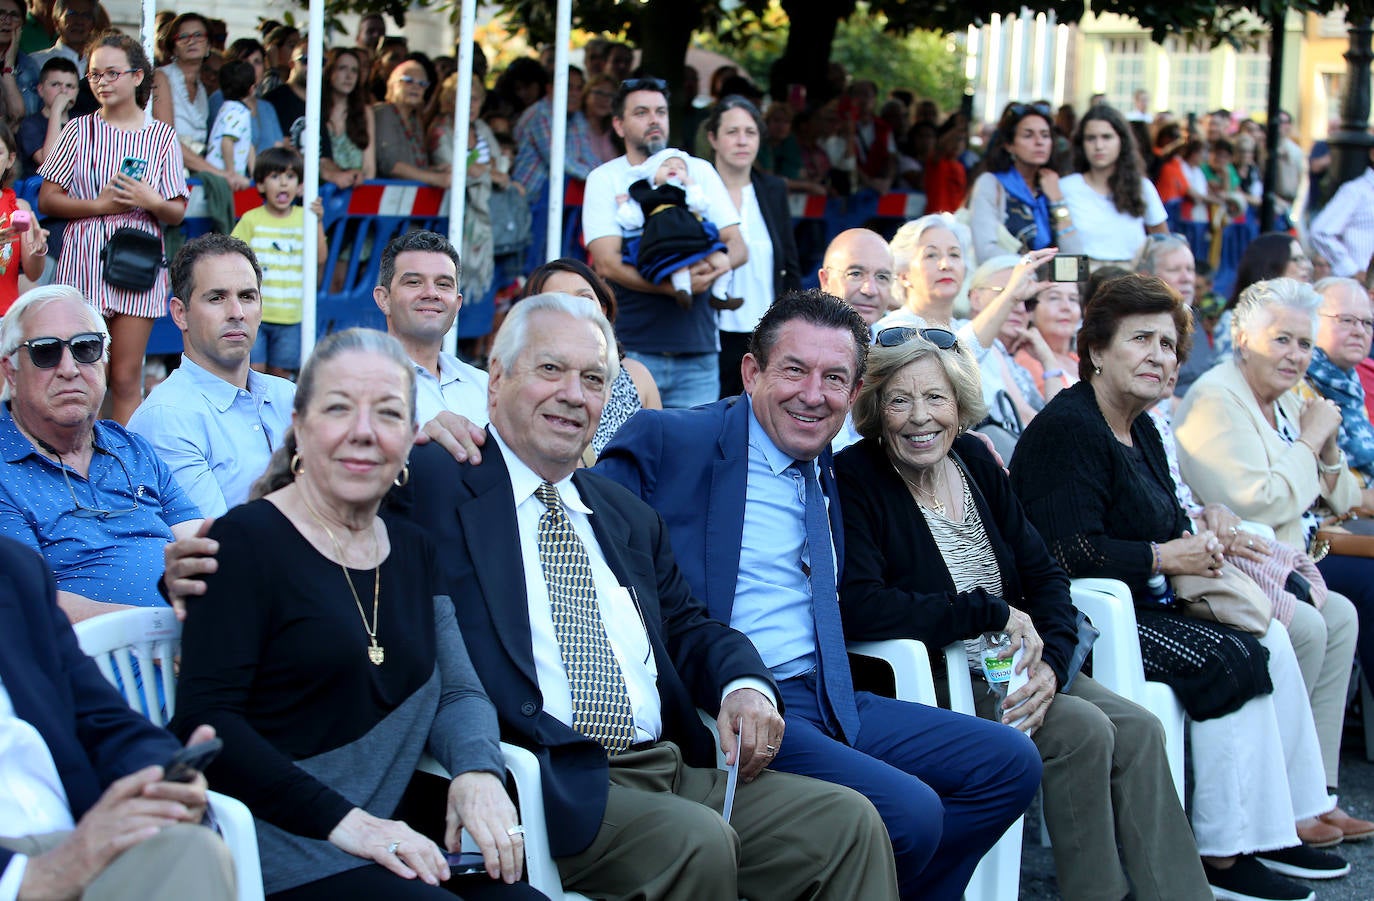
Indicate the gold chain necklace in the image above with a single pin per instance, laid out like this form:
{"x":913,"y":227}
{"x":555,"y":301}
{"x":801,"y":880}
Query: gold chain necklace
{"x":375,"y":652}
{"x":935,"y":503}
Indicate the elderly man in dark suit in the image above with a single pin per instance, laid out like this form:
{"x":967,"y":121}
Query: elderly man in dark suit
{"x":596,"y":654}
{"x":83,"y":808}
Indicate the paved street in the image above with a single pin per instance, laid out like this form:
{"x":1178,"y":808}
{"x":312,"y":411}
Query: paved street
{"x":1356,"y":797}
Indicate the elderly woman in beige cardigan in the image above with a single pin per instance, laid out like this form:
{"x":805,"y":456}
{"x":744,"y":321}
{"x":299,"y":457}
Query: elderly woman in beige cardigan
{"x":1245,"y":439}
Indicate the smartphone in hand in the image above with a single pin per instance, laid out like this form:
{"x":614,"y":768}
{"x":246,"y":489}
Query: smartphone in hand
{"x":187,"y":762}
{"x":134,"y":167}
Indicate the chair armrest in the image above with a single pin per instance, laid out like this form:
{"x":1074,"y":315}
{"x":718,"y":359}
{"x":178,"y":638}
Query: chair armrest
{"x":241,"y":836}
{"x":960,"y":682}
{"x":1116,"y":655}
{"x":910,"y":665}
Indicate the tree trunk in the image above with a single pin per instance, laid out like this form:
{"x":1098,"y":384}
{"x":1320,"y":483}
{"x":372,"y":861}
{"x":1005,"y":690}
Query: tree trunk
{"x":1277,"y":33}
{"x":665,"y":31}
{"x":811,"y":31}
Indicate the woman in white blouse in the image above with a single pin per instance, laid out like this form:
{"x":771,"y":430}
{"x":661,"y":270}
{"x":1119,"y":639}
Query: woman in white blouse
{"x":1111,"y":201}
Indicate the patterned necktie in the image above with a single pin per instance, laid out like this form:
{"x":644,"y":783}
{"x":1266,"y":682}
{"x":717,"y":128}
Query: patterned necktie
{"x":836,"y":681}
{"x":600,"y":701}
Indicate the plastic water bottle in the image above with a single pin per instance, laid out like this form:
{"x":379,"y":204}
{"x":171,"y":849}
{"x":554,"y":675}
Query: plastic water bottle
{"x":997,"y":669}
{"x":1160,"y":591}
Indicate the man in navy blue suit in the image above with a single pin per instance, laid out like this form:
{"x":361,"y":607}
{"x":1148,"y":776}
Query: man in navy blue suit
{"x":83,"y":808}
{"x":746,"y":489}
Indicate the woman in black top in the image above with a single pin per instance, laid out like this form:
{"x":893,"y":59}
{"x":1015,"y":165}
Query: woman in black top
{"x":916,"y":488}
{"x":1093,"y":478}
{"x":326,"y":662}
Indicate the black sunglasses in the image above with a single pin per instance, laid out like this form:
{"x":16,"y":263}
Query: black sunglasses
{"x":898,"y":335}
{"x":46,"y":353}
{"x":1020,"y":109}
{"x":630,"y":85}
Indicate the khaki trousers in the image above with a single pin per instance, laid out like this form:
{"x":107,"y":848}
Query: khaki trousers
{"x":1106,"y":783}
{"x":1324,"y":642}
{"x":180,"y":862}
{"x":789,"y":837}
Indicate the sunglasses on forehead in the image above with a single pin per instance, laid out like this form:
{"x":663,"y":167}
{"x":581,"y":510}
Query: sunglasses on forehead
{"x":630,"y":85}
{"x":898,"y":335}
{"x":46,"y":353}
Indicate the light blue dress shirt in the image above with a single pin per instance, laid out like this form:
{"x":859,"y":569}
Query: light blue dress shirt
{"x":460,"y":388}
{"x":215,"y":436}
{"x":114,"y":559}
{"x":772,"y":593}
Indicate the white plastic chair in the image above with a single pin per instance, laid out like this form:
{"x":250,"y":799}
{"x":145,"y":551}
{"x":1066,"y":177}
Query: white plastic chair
{"x":998,"y":875}
{"x":1117,"y":665}
{"x":149,"y":636}
{"x":523,"y":767}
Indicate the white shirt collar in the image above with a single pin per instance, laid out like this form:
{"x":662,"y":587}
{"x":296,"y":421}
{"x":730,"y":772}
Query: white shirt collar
{"x":525,"y":481}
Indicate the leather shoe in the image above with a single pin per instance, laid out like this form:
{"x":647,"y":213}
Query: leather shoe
{"x":1354,"y":830}
{"x":1316,"y":833}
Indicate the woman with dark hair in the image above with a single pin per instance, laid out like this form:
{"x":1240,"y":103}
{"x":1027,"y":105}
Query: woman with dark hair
{"x":735,"y":129}
{"x":1271,"y":255}
{"x":1016,"y":202}
{"x":633,"y":389}
{"x":86,"y":181}
{"x":1109,"y":199}
{"x":180,"y":100}
{"x":266,"y":126}
{"x":347,"y":116}
{"x":1092,"y":475}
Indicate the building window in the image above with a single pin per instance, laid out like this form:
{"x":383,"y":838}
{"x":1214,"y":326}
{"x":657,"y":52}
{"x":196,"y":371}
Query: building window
{"x":1190,"y":82}
{"x":1252,"y":71}
{"x":1125,"y":70}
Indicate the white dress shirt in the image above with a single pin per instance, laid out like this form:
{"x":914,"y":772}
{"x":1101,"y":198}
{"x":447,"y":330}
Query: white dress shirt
{"x":460,"y":388}
{"x":32,"y":799}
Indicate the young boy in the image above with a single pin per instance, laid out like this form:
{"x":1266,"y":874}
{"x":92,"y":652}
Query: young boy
{"x":231,"y":137}
{"x":276,"y":232}
{"x":38,"y":134}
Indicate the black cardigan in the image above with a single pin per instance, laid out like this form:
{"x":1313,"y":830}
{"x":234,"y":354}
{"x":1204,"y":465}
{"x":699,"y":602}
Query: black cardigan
{"x":771,"y":193}
{"x":1097,"y":510}
{"x":896,"y":584}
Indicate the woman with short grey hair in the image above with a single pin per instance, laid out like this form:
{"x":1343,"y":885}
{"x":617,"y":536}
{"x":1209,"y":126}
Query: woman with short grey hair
{"x":1246,"y":440}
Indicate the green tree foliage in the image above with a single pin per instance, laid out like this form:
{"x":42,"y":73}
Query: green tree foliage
{"x":924,"y":62}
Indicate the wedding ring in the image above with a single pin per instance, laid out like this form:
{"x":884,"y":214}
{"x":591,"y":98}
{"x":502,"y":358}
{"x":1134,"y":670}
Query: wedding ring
{"x":771,"y":749}
{"x":516,"y":830}
{"x":1234,"y":530}
{"x":391,"y":848}
{"x":1249,"y":543}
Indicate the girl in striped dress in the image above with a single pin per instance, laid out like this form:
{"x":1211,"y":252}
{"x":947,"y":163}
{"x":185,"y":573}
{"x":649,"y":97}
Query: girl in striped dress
{"x":86,"y":180}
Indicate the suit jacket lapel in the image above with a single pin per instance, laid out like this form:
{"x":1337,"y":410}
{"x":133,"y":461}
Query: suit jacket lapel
{"x":724,"y":520}
{"x":486,"y":509}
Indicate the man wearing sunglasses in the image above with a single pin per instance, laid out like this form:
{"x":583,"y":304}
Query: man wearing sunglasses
{"x":215,"y":421}
{"x":679,"y":346}
{"x":94,"y":499}
{"x":746,"y":489}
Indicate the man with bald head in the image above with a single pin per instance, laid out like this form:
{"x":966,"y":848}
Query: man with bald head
{"x":858,"y":269}
{"x":1345,"y":327}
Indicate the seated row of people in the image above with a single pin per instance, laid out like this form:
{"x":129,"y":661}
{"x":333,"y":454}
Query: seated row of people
{"x":801,"y":378}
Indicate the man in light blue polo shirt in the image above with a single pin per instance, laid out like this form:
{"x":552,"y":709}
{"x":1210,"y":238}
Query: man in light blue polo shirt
{"x":417,"y":290}
{"x":215,"y":421}
{"x":92,"y":498}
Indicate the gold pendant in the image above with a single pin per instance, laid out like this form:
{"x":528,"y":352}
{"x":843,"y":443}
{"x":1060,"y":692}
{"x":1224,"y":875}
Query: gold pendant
{"x":376,"y":654}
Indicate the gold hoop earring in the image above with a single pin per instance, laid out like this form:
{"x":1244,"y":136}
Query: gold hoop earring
{"x":296,"y":466}
{"x":401,"y":480}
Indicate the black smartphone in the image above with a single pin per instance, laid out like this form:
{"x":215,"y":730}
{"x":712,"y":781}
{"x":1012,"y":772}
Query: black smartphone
{"x":1066,"y":267}
{"x":466,"y":864}
{"x":188,"y":761}
{"x":134,"y":167}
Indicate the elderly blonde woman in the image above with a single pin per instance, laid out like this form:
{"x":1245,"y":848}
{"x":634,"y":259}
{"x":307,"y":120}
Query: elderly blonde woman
{"x":1092,"y":475}
{"x":324,"y":707}
{"x":930,"y":259}
{"x":1245,"y":439}
{"x":916,"y":487}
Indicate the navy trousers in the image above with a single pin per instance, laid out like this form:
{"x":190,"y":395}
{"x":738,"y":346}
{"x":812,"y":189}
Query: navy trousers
{"x":946,"y":785}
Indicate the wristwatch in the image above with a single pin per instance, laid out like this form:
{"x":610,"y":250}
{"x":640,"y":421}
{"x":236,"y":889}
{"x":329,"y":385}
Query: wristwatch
{"x":1059,"y":210}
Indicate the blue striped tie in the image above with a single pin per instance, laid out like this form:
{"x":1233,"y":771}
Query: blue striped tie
{"x":836,"y":682}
